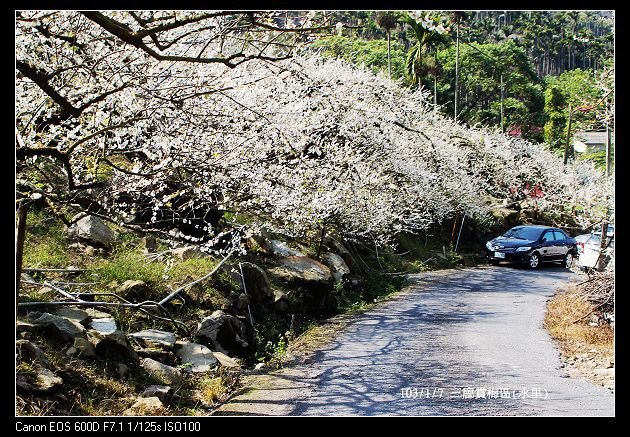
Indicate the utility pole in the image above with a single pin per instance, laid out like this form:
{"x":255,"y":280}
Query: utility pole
{"x":456,"y":69}
{"x":566,"y":145}
{"x":502,"y":125}
{"x":435,"y":85}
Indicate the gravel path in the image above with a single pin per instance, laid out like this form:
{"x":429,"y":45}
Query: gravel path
{"x":455,"y":342}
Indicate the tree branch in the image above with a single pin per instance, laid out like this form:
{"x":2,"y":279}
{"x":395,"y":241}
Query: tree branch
{"x":41,"y":80}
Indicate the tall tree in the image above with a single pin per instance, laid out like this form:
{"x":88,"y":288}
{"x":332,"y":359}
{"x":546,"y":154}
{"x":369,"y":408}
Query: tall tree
{"x":427,"y":30}
{"x":387,"y":21}
{"x":457,"y":17}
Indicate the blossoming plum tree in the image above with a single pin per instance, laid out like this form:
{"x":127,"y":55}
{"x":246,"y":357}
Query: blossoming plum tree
{"x":186,"y":123}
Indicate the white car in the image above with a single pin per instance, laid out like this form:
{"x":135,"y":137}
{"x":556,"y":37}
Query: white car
{"x":590,"y":248}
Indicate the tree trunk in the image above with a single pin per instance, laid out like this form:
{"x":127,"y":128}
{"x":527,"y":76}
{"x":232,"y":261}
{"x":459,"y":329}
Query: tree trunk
{"x":321,"y":240}
{"x":566,"y":145}
{"x":20,"y":233}
{"x":601,"y":260}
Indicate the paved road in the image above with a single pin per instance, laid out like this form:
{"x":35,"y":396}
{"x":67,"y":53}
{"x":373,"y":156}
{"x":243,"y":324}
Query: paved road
{"x":457,"y":333}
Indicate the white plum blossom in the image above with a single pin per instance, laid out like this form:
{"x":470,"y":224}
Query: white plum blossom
{"x":300,"y":146}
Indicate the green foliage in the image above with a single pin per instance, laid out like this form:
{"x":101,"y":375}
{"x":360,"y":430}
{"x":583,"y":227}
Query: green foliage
{"x":372,"y":54}
{"x":420,"y":60}
{"x":270,"y":335}
{"x":127,"y":264}
{"x":555,"y":109}
{"x":380,"y":284}
{"x":45,"y":242}
{"x":191,"y":269}
{"x":598,"y":158}
{"x":480,"y":69}
{"x":579,"y":89}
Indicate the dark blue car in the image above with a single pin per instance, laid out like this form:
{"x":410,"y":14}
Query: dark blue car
{"x":532,"y":245}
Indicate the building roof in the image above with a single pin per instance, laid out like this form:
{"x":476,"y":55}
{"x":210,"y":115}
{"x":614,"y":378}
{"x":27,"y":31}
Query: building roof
{"x":591,"y":138}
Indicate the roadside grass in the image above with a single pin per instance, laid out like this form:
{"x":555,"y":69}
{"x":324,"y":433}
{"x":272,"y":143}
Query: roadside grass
{"x":200,"y":392}
{"x":566,"y":323}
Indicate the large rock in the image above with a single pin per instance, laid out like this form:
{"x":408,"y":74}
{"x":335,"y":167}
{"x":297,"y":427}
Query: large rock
{"x":225,"y":333}
{"x":280,"y":300}
{"x":84,"y":348}
{"x":280,"y":248}
{"x":339,"y":248}
{"x":256,"y":282}
{"x":197,"y":357}
{"x":161,"y":373}
{"x":224,"y":360}
{"x":162,"y":392}
{"x":28,"y":351}
{"x":134,"y":290}
{"x":151,"y":406}
{"x":92,"y":230}
{"x":163,"y":356}
{"x":155,"y":338}
{"x":337,"y":265}
{"x":74,"y":314}
{"x":302,"y":270}
{"x":41,"y":381}
{"x":104,"y":326}
{"x":116,"y":346}
{"x":60,"y":327}
{"x":307,"y":286}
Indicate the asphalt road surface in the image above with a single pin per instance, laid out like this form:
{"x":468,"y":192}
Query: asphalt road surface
{"x":456,"y":342}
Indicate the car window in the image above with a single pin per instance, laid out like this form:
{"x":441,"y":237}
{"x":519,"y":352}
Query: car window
{"x":548,"y":236}
{"x":523,"y":233}
{"x":559,"y":235}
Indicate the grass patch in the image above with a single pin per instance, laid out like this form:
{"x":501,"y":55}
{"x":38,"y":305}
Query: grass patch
{"x":561,"y":320}
{"x":126,"y":265}
{"x":45,"y":242}
{"x":190,"y":269}
{"x":212,"y":389}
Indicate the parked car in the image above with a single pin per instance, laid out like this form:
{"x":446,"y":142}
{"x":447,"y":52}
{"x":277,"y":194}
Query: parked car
{"x":532,"y":245}
{"x":582,"y":239}
{"x":591,"y":249}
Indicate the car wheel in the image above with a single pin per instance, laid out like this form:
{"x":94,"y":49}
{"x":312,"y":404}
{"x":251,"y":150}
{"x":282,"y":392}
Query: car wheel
{"x":568,"y":260}
{"x":534,"y":261}
{"x":494,"y":262}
